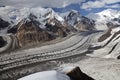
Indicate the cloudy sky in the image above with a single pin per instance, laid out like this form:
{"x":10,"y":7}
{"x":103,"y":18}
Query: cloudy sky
{"x":84,"y":6}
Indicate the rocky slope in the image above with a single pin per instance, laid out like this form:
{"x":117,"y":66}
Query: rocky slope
{"x":79,"y":22}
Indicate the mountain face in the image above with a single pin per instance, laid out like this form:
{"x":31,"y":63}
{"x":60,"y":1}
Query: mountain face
{"x":106,"y":19}
{"x":39,"y":14}
{"x":31,"y":31}
{"x":79,"y":22}
{"x":28,"y":33}
{"x":36,"y":25}
{"x":43,"y":16}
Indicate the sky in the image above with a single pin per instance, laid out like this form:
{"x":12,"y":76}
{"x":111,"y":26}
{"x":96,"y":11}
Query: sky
{"x":83,"y":6}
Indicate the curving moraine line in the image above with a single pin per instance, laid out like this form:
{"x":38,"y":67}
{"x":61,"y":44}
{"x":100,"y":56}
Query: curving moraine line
{"x":9,"y":58}
{"x":78,"y":48}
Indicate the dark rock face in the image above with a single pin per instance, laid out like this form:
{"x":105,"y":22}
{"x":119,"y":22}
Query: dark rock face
{"x":12,"y":30}
{"x":80,"y":23}
{"x":118,"y":57}
{"x":2,"y":42}
{"x":57,"y":29}
{"x":105,"y":36}
{"x":110,"y":24}
{"x":85,"y":24}
{"x":3,"y":24}
{"x":77,"y":74}
{"x":28,"y":33}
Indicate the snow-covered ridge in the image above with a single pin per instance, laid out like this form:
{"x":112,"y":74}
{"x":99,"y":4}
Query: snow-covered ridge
{"x":105,"y":17}
{"x":42,"y":16}
{"x":110,"y":46}
{"x":72,"y":16}
{"x":75,"y":19}
{"x":13,"y":15}
{"x":46,"y":75}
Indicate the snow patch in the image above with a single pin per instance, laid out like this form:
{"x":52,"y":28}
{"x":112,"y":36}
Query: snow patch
{"x":46,"y":75}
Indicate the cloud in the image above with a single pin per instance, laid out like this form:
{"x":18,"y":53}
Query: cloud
{"x":42,"y":3}
{"x":91,"y":4}
{"x":98,"y":4}
{"x":113,"y":6}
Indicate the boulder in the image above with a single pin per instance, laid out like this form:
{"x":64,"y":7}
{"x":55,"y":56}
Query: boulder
{"x":77,"y":74}
{"x":118,"y":57}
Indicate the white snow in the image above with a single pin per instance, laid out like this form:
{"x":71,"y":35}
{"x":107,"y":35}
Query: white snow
{"x":114,"y":44}
{"x":114,"y":30}
{"x":46,"y":75}
{"x":71,"y":16}
{"x":66,"y":69}
{"x":99,"y":68}
{"x":104,"y":17}
{"x":16,"y":15}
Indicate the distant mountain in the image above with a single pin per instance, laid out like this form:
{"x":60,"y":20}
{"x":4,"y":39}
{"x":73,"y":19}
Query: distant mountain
{"x":44,"y":16}
{"x":105,"y":19}
{"x":79,"y":22}
{"x":16,"y":15}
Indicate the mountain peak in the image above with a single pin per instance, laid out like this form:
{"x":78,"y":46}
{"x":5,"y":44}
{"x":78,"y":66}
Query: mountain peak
{"x":106,"y":18}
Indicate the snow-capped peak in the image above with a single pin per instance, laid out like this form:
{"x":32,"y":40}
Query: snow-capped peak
{"x":110,"y":13}
{"x":71,"y":16}
{"x":16,"y":15}
{"x":104,"y":17}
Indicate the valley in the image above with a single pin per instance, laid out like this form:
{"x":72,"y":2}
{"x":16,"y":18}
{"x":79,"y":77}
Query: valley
{"x":39,"y":39}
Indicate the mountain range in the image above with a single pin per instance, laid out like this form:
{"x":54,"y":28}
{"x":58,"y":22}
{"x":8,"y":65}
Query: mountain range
{"x":32,"y":25}
{"x":106,"y":19}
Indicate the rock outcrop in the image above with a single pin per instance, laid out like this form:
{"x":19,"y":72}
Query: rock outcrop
{"x":56,"y":28}
{"x":118,"y":57}
{"x":105,"y":36}
{"x":77,"y":74}
{"x":3,"y":24}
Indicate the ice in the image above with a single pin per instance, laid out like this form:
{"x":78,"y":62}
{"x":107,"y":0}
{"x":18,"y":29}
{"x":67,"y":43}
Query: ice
{"x":103,"y":17}
{"x":46,"y":75}
{"x":110,"y":50}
